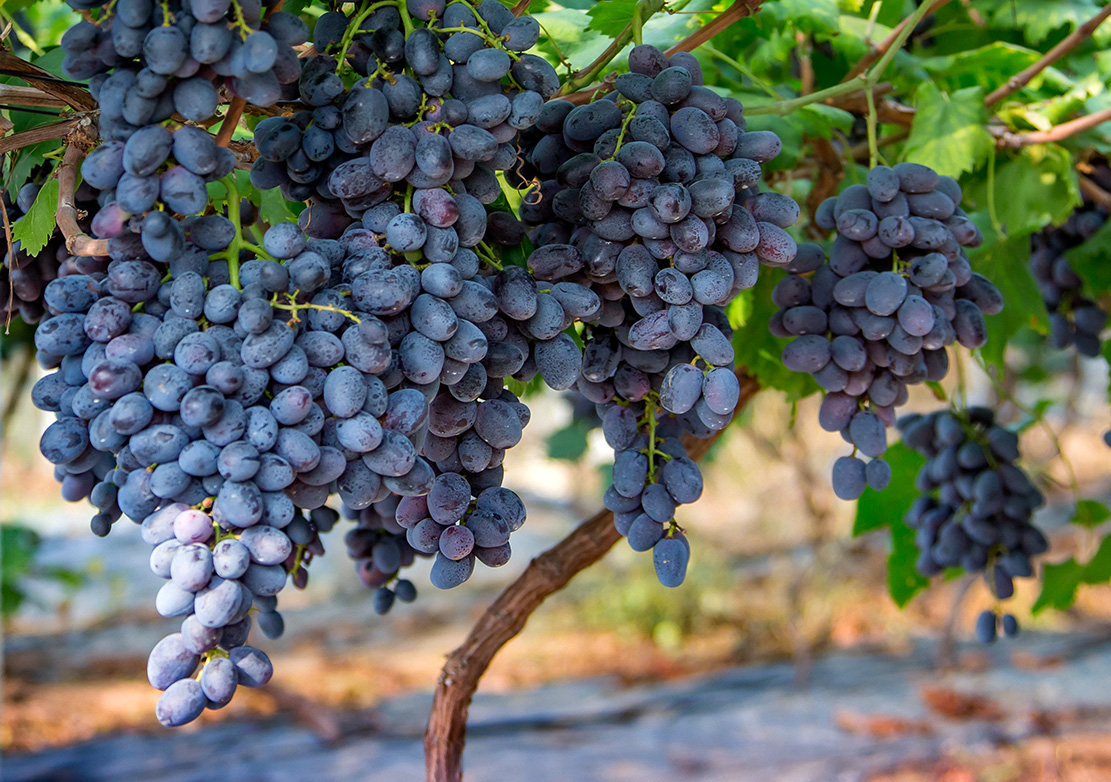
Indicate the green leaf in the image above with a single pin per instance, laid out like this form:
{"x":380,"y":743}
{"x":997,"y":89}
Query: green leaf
{"x":1090,"y":513}
{"x":754,"y":346}
{"x":1035,"y":188}
{"x":1059,"y":583}
{"x":569,"y":443}
{"x":274,"y":209}
{"x":1092,"y":261}
{"x":568,"y":30}
{"x":611,"y":17}
{"x":35,"y":228}
{"x":986,"y":66}
{"x":1098,"y":569}
{"x":1003,"y":260}
{"x":1039,"y":19}
{"x":948,"y":133}
{"x":903,"y":579}
{"x":877,"y":510}
{"x":27,"y":160}
{"x":294,"y":7}
{"x":805,"y":15}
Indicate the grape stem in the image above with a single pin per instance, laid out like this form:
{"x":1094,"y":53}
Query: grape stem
{"x":895,"y":40}
{"x":545,"y":575}
{"x":295,"y":307}
{"x":353,"y":28}
{"x":240,"y":20}
{"x":644,"y":10}
{"x":232,"y":253}
{"x":865,"y":81}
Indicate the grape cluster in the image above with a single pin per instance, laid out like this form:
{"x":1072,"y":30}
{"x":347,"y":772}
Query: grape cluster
{"x":879,"y":313}
{"x":1074,"y":319}
{"x":443,"y":105}
{"x":24,"y":277}
{"x":647,"y":219}
{"x":977,"y":503}
{"x":170,"y":60}
{"x":218,"y":384}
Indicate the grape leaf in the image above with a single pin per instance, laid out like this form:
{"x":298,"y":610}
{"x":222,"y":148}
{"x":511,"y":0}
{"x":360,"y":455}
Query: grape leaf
{"x":35,"y":228}
{"x":569,"y":443}
{"x":1090,"y":513}
{"x":948,"y":132}
{"x":987,"y":66}
{"x":1039,"y":19}
{"x":1092,"y":261}
{"x":1059,"y":584}
{"x":274,"y":209}
{"x":820,"y":16}
{"x":756,"y":349}
{"x":27,"y":159}
{"x":612,"y":17}
{"x":876,"y":510}
{"x":1003,"y":261}
{"x":1060,"y":581}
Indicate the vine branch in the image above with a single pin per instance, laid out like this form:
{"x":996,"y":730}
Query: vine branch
{"x":27,"y":138}
{"x":77,"y":241}
{"x":1020,"y":80}
{"x":739,"y":10}
{"x":29,"y":96}
{"x":506,"y":617}
{"x":892,"y":41}
{"x":575,"y":91}
{"x":1005,"y":139}
{"x":231,"y":119}
{"x":70,"y":93}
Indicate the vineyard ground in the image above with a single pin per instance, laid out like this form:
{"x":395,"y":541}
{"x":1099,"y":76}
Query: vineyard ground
{"x":1039,"y":710}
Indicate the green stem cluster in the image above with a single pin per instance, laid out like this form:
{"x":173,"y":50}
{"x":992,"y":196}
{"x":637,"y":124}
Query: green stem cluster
{"x":353,"y":28}
{"x":238,"y":243}
{"x":650,"y":421}
{"x":866,"y":81}
{"x":487,"y":255}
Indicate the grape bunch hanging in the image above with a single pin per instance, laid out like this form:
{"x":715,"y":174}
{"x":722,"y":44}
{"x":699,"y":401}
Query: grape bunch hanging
{"x":218,"y":380}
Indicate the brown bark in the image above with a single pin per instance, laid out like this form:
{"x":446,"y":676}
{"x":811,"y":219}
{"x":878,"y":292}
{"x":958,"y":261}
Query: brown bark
{"x":1020,"y":80}
{"x":73,"y":95}
{"x":506,"y":617}
{"x":77,"y":241}
{"x":231,"y":119}
{"x":1008,"y":140}
{"x":739,"y":10}
{"x":54,"y":130}
{"x":28,"y":96}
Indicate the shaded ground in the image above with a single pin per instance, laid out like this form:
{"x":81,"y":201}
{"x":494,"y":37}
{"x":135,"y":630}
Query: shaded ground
{"x":1038,"y":708}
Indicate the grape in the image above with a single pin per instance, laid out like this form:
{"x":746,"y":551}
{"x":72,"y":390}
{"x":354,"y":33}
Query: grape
{"x":670,"y":557}
{"x":182,"y":702}
{"x":448,"y":574}
{"x":985,"y":627}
